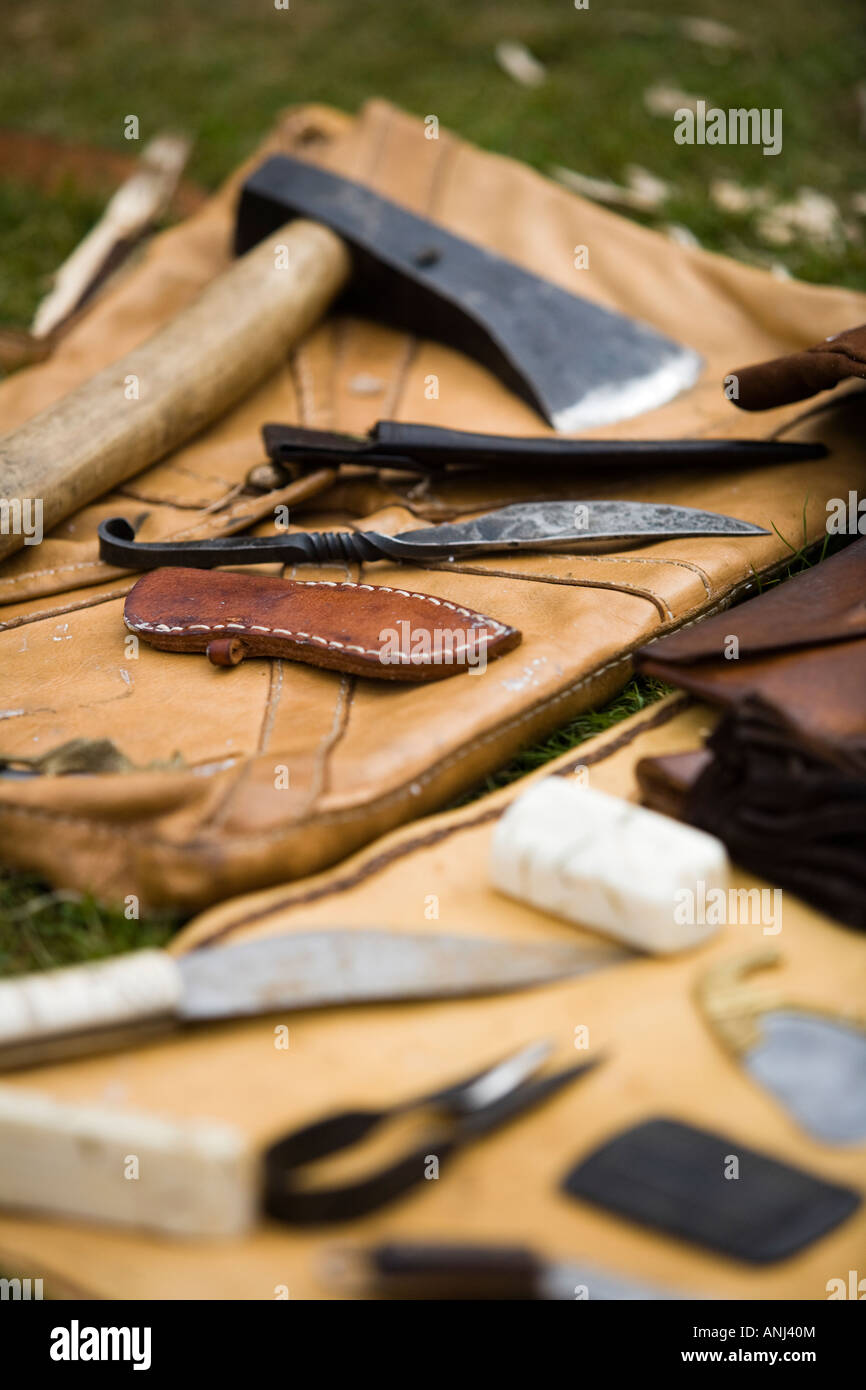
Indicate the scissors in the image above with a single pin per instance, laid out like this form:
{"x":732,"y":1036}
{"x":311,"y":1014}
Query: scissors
{"x":460,"y":1113}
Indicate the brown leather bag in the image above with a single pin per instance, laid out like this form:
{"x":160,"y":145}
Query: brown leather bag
{"x":364,"y":756}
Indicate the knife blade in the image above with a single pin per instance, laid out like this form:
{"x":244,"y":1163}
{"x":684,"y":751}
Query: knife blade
{"x":813,"y":1063}
{"x":569,"y":526}
{"x":89,"y":1007}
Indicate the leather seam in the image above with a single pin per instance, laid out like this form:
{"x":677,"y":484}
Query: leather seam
{"x":58,"y":569}
{"x":385,"y":858}
{"x":431,"y":773}
{"x":331,"y":817}
{"x":327,"y":744}
{"x":658,"y":603}
{"x":272,"y":704}
{"x":368,"y":808}
{"x":599,"y":559}
{"x":234,"y":518}
{"x":25,"y":619}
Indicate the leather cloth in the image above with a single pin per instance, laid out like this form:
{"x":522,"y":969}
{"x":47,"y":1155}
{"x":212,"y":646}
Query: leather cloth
{"x":365,"y":756}
{"x":506,"y":1188}
{"x":783,"y":778}
{"x":798,"y":375}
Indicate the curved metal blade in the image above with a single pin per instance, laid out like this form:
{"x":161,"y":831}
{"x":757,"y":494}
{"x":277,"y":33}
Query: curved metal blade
{"x":564,"y":526}
{"x":816,"y":1067}
{"x":306,"y":970}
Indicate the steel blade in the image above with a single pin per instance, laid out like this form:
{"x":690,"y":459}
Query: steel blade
{"x":564,"y":526}
{"x":563,"y":1282}
{"x":817,"y":1068}
{"x":579,"y":364}
{"x":306,"y":970}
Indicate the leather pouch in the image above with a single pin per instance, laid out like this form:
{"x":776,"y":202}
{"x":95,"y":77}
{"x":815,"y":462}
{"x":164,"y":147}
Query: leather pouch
{"x":365,"y":756}
{"x":783,"y":779}
{"x":798,"y":375}
{"x":365,"y":629}
{"x":680,"y":1180}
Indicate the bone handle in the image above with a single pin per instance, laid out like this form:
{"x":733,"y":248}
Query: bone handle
{"x":52,"y":1008}
{"x":105,"y":1163}
{"x":237,"y":331}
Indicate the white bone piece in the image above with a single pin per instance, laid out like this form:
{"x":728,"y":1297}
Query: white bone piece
{"x":607,"y":864}
{"x":107,"y":1164}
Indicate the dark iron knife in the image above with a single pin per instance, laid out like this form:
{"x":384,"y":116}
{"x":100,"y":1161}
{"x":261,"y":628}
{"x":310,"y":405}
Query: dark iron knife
{"x":568,"y":526}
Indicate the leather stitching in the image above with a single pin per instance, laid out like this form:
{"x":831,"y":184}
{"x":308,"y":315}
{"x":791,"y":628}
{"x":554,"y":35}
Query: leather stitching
{"x":597,"y":559}
{"x":659,"y":604}
{"x":332,"y":817}
{"x":307,"y":638}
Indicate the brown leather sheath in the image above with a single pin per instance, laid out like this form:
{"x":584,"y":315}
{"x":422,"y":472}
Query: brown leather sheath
{"x":363,"y":629}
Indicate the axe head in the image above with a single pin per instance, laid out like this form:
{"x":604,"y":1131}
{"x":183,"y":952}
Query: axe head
{"x":578,"y":364}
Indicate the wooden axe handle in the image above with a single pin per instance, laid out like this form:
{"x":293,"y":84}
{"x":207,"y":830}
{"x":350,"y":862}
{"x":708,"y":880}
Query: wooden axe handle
{"x":237,"y":331}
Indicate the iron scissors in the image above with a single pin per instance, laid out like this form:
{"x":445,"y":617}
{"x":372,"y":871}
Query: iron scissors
{"x":467,"y":1110}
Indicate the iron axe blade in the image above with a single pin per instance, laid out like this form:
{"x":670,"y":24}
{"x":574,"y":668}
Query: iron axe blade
{"x":578,"y":364}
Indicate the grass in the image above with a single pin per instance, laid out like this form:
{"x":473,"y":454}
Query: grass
{"x":636,"y":695}
{"x":221,"y":70}
{"x":40,"y":929}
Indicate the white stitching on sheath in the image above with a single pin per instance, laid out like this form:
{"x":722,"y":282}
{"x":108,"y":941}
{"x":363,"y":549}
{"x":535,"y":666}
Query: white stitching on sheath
{"x":498,"y":628}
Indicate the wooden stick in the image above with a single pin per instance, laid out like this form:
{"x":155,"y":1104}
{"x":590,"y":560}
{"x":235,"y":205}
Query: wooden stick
{"x":134,"y":208}
{"x":137,"y":410}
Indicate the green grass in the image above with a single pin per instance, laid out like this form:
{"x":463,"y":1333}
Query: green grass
{"x":40,"y":928}
{"x":636,"y":695}
{"x":221,"y":70}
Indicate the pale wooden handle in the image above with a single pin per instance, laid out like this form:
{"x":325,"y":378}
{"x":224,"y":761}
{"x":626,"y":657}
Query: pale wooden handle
{"x":127,"y":989}
{"x":193,"y":1178}
{"x":188,"y":373}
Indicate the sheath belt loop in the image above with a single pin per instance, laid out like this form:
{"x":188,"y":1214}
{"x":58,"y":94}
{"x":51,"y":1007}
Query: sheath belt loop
{"x":226,"y":651}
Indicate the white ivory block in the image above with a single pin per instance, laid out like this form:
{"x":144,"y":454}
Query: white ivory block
{"x":607,"y":864}
{"x":106,"y":1164}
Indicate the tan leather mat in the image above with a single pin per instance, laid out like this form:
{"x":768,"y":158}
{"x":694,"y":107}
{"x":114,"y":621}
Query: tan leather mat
{"x":364,"y":756}
{"x":661,"y":1058}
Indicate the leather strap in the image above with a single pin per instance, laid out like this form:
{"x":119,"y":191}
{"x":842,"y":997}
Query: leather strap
{"x":797,"y":375}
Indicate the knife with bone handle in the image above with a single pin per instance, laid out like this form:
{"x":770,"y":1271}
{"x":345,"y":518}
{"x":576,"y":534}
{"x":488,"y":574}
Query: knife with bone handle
{"x":568,"y":526}
{"x":132,"y":998}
